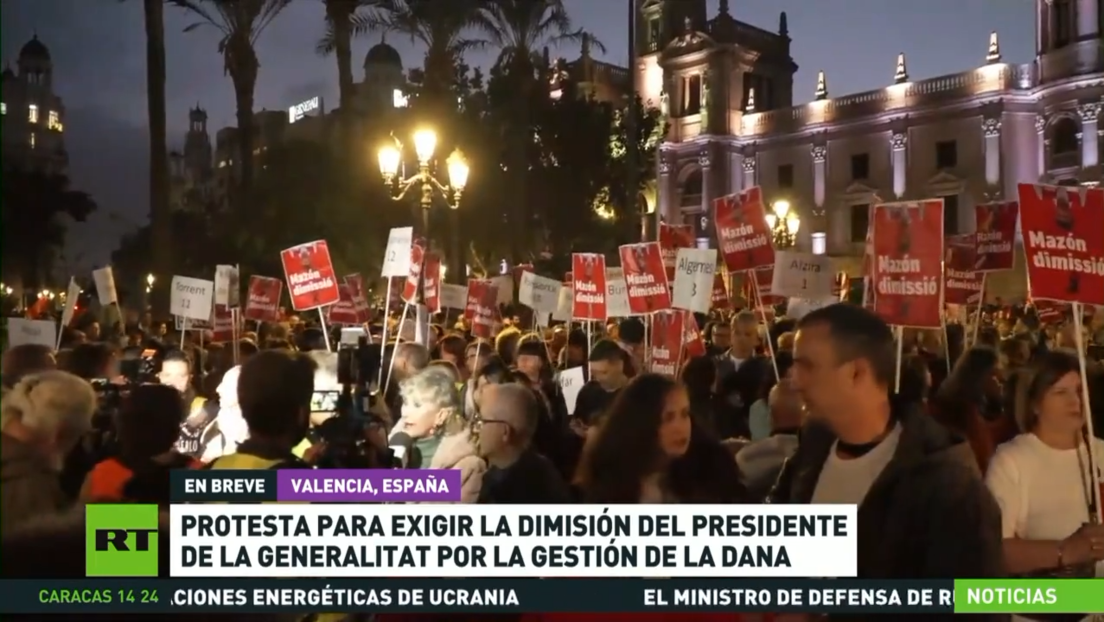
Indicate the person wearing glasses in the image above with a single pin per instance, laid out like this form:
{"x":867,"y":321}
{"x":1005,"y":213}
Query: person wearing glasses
{"x":516,"y":473}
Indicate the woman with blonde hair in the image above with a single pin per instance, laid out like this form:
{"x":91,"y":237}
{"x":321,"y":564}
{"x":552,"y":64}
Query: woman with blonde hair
{"x":433,"y":417}
{"x":1041,"y":478}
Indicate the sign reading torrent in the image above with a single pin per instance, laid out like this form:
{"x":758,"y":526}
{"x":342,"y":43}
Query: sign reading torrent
{"x":412,"y":541}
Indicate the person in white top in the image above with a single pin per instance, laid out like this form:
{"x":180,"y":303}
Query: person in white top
{"x":1041,"y":478}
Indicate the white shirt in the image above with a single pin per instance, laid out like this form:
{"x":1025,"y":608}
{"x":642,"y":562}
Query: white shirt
{"x":848,"y":481}
{"x":1041,"y":490}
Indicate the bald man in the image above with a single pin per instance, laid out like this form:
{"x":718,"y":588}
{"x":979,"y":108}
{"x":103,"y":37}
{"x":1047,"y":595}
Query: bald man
{"x":517,"y":474}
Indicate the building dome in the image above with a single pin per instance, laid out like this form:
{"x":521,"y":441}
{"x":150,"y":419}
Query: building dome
{"x":8,"y":73}
{"x":383,"y":54}
{"x":34,"y":50}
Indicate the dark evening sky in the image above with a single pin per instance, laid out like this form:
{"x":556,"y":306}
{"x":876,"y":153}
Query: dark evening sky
{"x":98,"y":52}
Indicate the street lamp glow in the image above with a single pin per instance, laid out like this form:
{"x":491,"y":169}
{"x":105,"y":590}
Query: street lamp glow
{"x":149,"y":280}
{"x":772,"y":220}
{"x":457,"y":169}
{"x":425,"y":142}
{"x":793,"y":223}
{"x":389,"y":157}
{"x":781,"y":209}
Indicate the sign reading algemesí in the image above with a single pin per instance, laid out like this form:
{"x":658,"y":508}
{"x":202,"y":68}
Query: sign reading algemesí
{"x":121,"y":541}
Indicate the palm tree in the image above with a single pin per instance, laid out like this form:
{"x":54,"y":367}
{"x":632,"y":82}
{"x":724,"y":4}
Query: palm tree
{"x":240,"y":22}
{"x":521,"y":29}
{"x":442,"y":27}
{"x":344,"y":20}
{"x":160,"y":211}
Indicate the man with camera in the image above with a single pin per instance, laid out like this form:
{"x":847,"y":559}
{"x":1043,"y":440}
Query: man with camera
{"x":200,"y":426}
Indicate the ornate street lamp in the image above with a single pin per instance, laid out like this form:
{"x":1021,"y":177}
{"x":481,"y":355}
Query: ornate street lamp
{"x":784,"y":224}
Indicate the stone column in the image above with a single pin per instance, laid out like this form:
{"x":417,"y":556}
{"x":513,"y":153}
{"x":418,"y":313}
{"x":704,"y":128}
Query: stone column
{"x":666,"y":209}
{"x":899,"y":145}
{"x":1090,"y":149}
{"x":1041,"y":144}
{"x":1087,"y":19}
{"x":749,"y":172}
{"x":705,"y":221}
{"x":816,"y":227}
{"x":735,"y":171}
{"x":991,"y":130}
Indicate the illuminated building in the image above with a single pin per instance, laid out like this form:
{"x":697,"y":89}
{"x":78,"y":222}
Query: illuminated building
{"x":33,"y":115}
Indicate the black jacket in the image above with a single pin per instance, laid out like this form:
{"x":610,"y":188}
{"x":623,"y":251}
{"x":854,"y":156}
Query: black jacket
{"x":738,"y":389}
{"x":927,"y":516}
{"x":532,"y":479}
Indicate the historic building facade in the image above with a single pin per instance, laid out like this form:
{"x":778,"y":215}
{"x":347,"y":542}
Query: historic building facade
{"x":727,"y":88}
{"x":33,"y":115}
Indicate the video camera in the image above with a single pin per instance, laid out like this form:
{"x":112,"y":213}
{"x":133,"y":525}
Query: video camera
{"x":140,"y":366}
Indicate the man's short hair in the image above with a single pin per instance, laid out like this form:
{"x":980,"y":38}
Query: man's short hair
{"x":607,"y":350}
{"x":274,"y":391}
{"x":177,"y":356}
{"x":631,"y":331}
{"x":857,"y":333}
{"x":745,"y":317}
{"x":414,"y":354}
{"x":523,"y":401}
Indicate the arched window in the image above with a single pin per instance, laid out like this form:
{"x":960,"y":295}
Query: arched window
{"x":1063,"y":137}
{"x":690,"y":192}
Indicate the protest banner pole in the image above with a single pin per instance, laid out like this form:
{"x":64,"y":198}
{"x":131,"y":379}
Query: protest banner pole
{"x":977,"y":314}
{"x":758,"y":302}
{"x":398,"y":335}
{"x":1090,"y":433}
{"x":183,"y":331}
{"x":386,"y":323}
{"x":325,"y":329}
{"x":899,"y":333}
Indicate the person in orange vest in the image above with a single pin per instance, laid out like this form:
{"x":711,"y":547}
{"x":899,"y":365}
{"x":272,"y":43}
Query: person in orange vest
{"x":147,"y":428}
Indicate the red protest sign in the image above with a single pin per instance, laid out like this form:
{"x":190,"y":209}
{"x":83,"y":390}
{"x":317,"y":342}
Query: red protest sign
{"x":263,"y":301}
{"x":742,"y":232}
{"x":359,"y":294}
{"x":414,"y":277}
{"x":961,"y":284}
{"x":693,"y":344}
{"x":671,"y":239}
{"x":764,"y":281}
{"x":1063,"y":237}
{"x":667,"y":335}
{"x":483,"y":306}
{"x":343,"y":311}
{"x":431,"y":282}
{"x":996,"y":235}
{"x":310,"y":276}
{"x":588,"y":286}
{"x":721,"y":300}
{"x":908,"y":263}
{"x":645,"y":277}
{"x":222,"y":324}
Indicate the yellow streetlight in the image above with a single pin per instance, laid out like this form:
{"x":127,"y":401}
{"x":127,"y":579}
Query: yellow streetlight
{"x":425,"y":143}
{"x":150,"y":280}
{"x":389,"y":160}
{"x":783,"y":222}
{"x":458,"y":170}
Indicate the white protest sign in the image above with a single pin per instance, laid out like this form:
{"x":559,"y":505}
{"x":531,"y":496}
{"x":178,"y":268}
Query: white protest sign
{"x":505,"y":285}
{"x":542,"y":318}
{"x":802,"y":275}
{"x":71,"y":296}
{"x":798,"y":308}
{"x":453,"y":296}
{"x":617,"y":294}
{"x":23,"y":332}
{"x":227,"y":286}
{"x":565,"y":304}
{"x":183,"y":323}
{"x":571,"y":382}
{"x":396,"y":258}
{"x":539,"y":293}
{"x":105,"y":286}
{"x":192,"y":298}
{"x":694,"y":270}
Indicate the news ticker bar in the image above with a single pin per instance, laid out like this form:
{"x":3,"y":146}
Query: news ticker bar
{"x":316,"y":486}
{"x":29,"y":596}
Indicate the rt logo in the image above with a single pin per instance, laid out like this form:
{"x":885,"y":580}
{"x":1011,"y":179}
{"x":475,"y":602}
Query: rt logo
{"x":121,"y":541}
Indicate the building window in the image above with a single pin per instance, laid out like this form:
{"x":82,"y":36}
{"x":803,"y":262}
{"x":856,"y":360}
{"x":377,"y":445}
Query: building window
{"x":691,"y":94}
{"x":950,"y":214}
{"x":860,"y":222}
{"x":53,"y":121}
{"x":32,"y":113}
{"x":786,"y":176}
{"x":820,"y":243}
{"x":653,"y":34}
{"x":1063,"y":137}
{"x":691,"y":191}
{"x":1062,"y":22}
{"x":860,"y":167}
{"x":3,"y":109}
{"x":33,"y":140}
{"x":946,"y":154}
